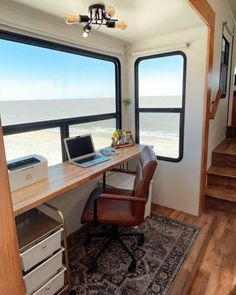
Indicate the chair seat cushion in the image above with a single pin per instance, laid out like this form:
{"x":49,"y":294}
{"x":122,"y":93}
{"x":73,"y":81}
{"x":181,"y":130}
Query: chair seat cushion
{"x":109,"y":211}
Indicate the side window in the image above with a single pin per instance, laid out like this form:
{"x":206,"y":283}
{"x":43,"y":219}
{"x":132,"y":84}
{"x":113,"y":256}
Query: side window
{"x":160,"y":99}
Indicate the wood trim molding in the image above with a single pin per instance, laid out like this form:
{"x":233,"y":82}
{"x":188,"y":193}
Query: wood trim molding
{"x":204,"y":10}
{"x":11,"y":280}
{"x":207,"y":14}
{"x":215,"y":105}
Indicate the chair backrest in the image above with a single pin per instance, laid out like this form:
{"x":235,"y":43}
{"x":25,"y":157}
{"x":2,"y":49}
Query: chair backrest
{"x":144,"y":173}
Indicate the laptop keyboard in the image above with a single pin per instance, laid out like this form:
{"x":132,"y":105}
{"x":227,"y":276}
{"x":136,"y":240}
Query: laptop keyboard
{"x":88,"y":159}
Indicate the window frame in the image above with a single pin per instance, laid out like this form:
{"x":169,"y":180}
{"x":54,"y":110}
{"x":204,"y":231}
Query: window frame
{"x":180,"y":111}
{"x":64,"y":123}
{"x":225,"y":55}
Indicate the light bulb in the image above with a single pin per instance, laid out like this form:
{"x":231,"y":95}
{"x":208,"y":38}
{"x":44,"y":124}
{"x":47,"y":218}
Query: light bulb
{"x":87,"y":30}
{"x":85,"y":34}
{"x":121,"y":25}
{"x":72,"y":19}
{"x":110,"y":11}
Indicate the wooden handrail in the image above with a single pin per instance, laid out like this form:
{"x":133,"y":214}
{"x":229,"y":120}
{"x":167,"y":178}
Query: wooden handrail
{"x":215,"y":105}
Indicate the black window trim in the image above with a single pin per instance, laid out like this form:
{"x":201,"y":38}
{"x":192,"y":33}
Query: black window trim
{"x":227,"y":56}
{"x":64,"y":123}
{"x":180,"y":111}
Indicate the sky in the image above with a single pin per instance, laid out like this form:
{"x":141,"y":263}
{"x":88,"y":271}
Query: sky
{"x":161,"y":76}
{"x":29,"y":73}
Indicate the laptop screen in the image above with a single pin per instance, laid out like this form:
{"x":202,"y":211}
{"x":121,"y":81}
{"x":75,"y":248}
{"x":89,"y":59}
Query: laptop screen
{"x":79,"y":146}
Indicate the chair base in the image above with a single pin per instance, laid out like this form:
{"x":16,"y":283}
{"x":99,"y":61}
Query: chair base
{"x":114,"y":235}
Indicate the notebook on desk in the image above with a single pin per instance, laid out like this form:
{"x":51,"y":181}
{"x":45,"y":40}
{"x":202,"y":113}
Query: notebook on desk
{"x":80,"y":151}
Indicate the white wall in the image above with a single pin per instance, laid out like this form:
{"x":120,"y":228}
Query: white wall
{"x":176,"y":185}
{"x":23,"y":20}
{"x":217,"y":128}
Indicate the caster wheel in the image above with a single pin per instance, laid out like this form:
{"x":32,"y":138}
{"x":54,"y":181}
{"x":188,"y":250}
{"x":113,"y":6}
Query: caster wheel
{"x":94,"y":267}
{"x":132,"y":266}
{"x":73,"y":292}
{"x":141,"y":241}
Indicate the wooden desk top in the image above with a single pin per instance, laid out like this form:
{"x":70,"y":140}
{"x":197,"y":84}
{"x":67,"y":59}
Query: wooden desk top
{"x":64,"y":177}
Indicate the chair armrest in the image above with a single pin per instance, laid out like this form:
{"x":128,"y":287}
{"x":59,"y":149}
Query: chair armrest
{"x":122,"y":198}
{"x":123,"y":171}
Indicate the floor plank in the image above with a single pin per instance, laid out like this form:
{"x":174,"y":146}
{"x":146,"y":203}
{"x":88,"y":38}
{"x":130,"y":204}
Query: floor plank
{"x":219,"y":259}
{"x":189,"y":269}
{"x":200,"y":283}
{"x":211,"y":267}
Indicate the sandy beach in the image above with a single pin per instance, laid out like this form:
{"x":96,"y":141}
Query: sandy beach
{"x":47,"y":144}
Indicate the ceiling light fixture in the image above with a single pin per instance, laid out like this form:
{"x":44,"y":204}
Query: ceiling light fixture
{"x":98,"y":15}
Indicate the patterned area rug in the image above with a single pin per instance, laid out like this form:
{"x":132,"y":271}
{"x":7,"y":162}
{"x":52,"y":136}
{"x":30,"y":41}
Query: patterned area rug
{"x":167,"y":244}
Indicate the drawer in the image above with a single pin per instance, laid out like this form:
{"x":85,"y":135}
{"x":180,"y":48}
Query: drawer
{"x":41,"y":250}
{"x":52,"y":286}
{"x":41,"y":274}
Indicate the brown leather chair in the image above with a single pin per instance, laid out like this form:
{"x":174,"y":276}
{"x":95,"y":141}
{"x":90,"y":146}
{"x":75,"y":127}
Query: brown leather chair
{"x":121,"y":207}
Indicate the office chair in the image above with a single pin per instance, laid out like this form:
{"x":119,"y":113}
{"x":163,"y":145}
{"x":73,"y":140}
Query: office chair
{"x":120,"y":207}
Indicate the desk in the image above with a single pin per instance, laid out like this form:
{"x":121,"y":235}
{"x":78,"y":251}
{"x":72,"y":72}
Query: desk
{"x":64,"y":177}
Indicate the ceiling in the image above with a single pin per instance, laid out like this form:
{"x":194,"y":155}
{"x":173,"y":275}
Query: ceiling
{"x":232,"y":4}
{"x":145,"y":19}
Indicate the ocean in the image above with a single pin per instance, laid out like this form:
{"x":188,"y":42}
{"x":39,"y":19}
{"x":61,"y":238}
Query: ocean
{"x":158,"y":129}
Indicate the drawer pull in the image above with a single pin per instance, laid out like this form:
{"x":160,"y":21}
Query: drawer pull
{"x":44,"y":246}
{"x":48,"y":288}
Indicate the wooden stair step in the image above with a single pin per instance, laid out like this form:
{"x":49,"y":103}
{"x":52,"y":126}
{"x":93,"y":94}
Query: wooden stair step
{"x":227,"y":146}
{"x":223,"y":160}
{"x":221,"y":205}
{"x":223,"y":171}
{"x":222,"y":176}
{"x":224,"y":155}
{"x":220,"y":192}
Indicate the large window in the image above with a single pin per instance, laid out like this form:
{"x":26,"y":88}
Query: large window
{"x":160,"y":96}
{"x":50,"y":91}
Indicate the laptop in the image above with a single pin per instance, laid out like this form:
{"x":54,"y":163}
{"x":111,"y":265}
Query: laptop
{"x":80,"y":151}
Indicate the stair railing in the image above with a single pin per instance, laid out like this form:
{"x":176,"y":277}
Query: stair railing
{"x":215,"y":105}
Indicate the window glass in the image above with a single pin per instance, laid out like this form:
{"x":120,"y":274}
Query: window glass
{"x":49,"y":87}
{"x":46,"y":143}
{"x":160,"y":82}
{"x":40,"y":84}
{"x":161,"y":130}
{"x":101,"y":131}
{"x":224,"y":66}
{"x":160,"y":96}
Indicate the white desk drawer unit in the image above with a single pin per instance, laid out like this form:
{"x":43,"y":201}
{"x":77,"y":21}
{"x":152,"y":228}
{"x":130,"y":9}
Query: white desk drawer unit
{"x":41,"y":274}
{"x":53,"y":285}
{"x":41,"y":250}
{"x":40,"y":239}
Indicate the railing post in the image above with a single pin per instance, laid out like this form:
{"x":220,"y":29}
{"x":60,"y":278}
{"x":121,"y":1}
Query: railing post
{"x":11,"y":280}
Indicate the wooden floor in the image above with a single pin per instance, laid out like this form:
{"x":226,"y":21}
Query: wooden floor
{"x":211,"y":267}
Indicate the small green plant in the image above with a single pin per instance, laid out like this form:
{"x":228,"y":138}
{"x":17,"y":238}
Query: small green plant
{"x":126,"y":102}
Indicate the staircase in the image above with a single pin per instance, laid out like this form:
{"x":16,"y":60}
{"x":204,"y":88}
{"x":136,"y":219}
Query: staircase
{"x":221,"y":181}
